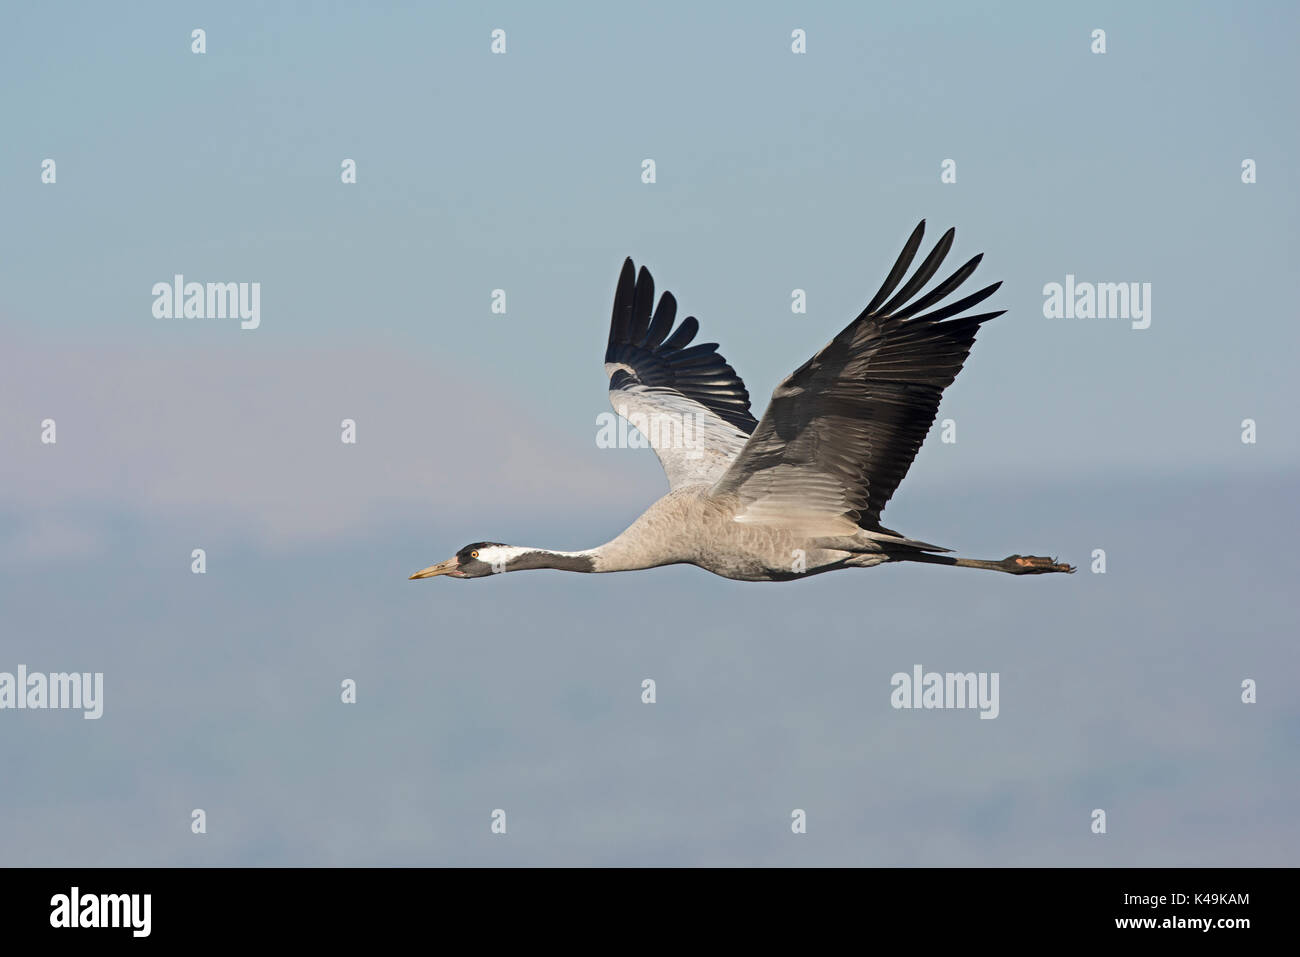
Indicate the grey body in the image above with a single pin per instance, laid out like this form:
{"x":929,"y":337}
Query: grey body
{"x":801,"y":491}
{"x":690,"y":525}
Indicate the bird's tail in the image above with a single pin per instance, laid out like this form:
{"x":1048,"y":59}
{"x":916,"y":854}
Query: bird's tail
{"x":874,"y":541}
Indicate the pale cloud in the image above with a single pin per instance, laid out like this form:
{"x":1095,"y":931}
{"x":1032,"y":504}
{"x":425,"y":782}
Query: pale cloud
{"x":253,"y":437}
{"x":50,"y":538}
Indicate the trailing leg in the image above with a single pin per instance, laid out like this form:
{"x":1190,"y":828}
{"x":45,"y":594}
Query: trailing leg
{"x":1012,"y":565}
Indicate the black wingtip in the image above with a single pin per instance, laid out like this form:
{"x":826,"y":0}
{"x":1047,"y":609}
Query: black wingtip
{"x":621,"y":319}
{"x":626,"y":277}
{"x":686,"y":331}
{"x":923,"y":274}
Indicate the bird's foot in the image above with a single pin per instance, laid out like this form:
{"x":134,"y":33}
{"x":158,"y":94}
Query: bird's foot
{"x":1034,"y":565}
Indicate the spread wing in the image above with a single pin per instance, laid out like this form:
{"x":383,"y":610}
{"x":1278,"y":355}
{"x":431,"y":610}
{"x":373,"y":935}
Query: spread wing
{"x":688,"y":403}
{"x":842,"y":430}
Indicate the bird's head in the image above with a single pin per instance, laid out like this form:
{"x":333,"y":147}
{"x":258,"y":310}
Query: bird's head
{"x":476,"y":560}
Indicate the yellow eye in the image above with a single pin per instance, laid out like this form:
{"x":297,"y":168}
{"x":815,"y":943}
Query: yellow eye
{"x":473,"y":554}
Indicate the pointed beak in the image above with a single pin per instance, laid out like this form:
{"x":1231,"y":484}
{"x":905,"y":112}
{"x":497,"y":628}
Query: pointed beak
{"x":442,"y":568}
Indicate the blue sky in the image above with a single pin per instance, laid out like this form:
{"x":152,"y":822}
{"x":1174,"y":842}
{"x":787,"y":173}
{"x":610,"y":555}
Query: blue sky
{"x":522,"y":172}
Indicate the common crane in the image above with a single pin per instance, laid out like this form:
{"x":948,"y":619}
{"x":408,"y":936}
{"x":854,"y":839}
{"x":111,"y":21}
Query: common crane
{"x":801,"y":491}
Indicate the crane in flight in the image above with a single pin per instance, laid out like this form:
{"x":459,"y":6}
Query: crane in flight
{"x":801,"y":491}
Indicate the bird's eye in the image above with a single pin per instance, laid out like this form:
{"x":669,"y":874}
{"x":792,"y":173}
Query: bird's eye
{"x":473,"y":554}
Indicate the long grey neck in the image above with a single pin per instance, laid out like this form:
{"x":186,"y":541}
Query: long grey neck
{"x":545,"y":558}
{"x":611,"y":557}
